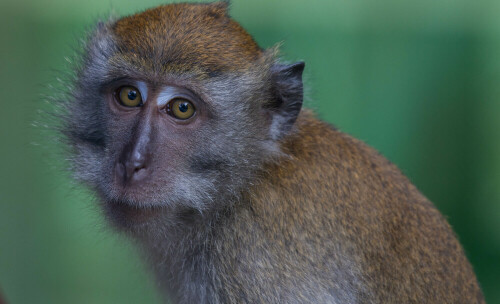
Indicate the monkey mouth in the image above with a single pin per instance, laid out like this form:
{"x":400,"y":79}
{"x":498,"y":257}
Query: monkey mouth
{"x":127,"y":215}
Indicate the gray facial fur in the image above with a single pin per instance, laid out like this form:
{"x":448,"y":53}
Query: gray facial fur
{"x":236,"y":143}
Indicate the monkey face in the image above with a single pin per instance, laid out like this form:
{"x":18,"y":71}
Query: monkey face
{"x":171,"y":144}
{"x":163,"y":120}
{"x":154,"y":129}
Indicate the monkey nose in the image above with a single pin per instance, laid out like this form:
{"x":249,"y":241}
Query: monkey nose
{"x":132,"y":169}
{"x":136,"y":171}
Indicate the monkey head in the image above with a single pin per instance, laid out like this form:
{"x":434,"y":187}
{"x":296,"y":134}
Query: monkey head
{"x":175,"y":109}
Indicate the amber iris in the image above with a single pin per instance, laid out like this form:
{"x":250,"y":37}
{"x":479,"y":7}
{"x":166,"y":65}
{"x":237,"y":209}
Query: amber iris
{"x":181,"y":108}
{"x":129,"y":96}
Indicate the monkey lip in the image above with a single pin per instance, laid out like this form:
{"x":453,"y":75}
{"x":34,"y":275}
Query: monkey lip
{"x":128,"y":215}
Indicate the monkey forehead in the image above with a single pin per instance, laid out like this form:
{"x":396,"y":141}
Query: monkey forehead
{"x":189,"y":36}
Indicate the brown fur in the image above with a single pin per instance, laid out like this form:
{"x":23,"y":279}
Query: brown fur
{"x":336,"y":201}
{"x":183,"y":37}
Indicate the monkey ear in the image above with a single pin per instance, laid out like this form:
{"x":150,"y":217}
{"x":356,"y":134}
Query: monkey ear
{"x":288,"y":96}
{"x":220,"y":7}
{"x":223,"y":4}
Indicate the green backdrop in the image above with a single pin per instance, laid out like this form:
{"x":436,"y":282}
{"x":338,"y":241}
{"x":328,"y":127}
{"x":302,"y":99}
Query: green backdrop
{"x":418,"y":80}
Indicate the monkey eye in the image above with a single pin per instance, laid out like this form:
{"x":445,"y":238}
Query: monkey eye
{"x":129,"y":96}
{"x":180,"y":108}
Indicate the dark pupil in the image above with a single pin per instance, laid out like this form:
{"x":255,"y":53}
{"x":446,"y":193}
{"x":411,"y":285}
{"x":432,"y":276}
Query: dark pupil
{"x":132,"y":95}
{"x":183,"y":107}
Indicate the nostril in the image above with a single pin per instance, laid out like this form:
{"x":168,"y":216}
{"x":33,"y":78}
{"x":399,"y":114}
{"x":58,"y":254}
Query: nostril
{"x":139,"y":173}
{"x":131,"y":171}
{"x":132,"y":165}
{"x":139,"y":168}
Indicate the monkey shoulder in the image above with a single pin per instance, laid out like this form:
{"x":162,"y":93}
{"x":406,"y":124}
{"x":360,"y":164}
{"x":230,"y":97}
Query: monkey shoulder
{"x":335,"y":165}
{"x":351,"y":216}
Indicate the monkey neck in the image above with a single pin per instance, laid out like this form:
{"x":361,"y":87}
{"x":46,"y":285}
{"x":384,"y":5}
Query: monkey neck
{"x":181,"y":255}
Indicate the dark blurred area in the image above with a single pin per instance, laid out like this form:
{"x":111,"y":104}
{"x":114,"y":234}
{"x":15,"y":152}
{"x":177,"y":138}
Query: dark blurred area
{"x":417,"y":80}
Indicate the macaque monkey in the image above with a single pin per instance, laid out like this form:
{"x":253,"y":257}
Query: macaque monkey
{"x":194,"y":141}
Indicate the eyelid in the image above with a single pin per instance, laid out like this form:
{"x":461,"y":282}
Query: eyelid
{"x":170,"y":93}
{"x":124,"y":82}
{"x":143,"y":90}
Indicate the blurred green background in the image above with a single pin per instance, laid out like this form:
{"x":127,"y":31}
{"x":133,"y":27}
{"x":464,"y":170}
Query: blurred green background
{"x":418,"y":80}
